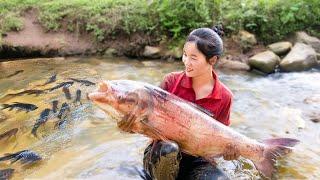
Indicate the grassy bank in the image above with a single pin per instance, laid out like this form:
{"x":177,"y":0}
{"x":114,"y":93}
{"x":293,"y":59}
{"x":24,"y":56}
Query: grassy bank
{"x":270,"y":20}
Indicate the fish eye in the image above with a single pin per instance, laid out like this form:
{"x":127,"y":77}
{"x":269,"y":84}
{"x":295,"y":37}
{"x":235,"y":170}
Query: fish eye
{"x":120,"y":98}
{"x":130,"y":100}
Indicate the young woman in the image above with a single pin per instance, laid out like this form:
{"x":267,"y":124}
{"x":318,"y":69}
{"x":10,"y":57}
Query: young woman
{"x":199,"y":84}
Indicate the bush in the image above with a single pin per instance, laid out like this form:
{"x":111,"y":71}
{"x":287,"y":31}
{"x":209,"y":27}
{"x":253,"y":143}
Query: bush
{"x":180,"y":17}
{"x":270,"y":20}
{"x":11,"y":22}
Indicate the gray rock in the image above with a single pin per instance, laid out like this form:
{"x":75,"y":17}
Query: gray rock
{"x":303,"y":37}
{"x":110,"y":52}
{"x":176,"y":53}
{"x":151,"y":52}
{"x":280,"y":48}
{"x":247,"y":37}
{"x":225,"y":63}
{"x":314,"y":99}
{"x":265,"y":61}
{"x":315,"y":117}
{"x":301,"y":57}
{"x":246,"y":40}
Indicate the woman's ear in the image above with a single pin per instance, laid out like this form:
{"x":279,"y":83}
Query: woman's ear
{"x":213,"y":60}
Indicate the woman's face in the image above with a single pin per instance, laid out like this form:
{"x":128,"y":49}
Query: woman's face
{"x":194,"y":61}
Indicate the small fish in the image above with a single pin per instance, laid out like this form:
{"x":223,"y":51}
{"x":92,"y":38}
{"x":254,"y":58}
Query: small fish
{"x":55,"y":106}
{"x":63,"y":84}
{"x":52,"y":79}
{"x":20,"y":106}
{"x":3,"y":117}
{"x":78,"y":96}
{"x":66,"y":91}
{"x":61,"y":123}
{"x":6,"y":173}
{"x":64,"y":109}
{"x":44,"y":116}
{"x":25,"y":156}
{"x":83,"y":82}
{"x":9,"y":133}
{"x":28,"y":92}
{"x":15,"y":73}
{"x":63,"y":113}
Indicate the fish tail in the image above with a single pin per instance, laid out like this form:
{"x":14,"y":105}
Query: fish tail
{"x":8,"y":157}
{"x":4,"y":106}
{"x":274,"y":149}
{"x":34,"y":130}
{"x":288,"y":142}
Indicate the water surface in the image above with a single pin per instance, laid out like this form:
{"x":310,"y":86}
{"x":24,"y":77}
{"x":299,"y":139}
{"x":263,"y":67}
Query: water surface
{"x":90,"y":145}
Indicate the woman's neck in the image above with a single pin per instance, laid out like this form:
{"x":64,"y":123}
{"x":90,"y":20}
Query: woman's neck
{"x":205,"y":79}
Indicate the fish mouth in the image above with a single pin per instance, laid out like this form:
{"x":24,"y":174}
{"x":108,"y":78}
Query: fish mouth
{"x":103,"y":100}
{"x":103,"y":86}
{"x":103,"y":97}
{"x":101,"y":93}
{"x":97,"y":96}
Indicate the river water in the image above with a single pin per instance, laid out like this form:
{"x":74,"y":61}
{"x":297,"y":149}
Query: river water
{"x":91,"y":146}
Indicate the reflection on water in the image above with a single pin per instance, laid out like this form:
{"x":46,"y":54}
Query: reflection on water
{"x":89,"y":145}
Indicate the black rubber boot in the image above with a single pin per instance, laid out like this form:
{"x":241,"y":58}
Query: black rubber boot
{"x":161,"y":160}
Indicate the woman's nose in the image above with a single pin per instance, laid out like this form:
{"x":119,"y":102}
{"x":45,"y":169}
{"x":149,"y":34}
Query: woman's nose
{"x":186,"y":60}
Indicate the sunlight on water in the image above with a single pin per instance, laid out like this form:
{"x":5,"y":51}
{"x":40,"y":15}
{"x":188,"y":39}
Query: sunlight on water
{"x":88,"y":144}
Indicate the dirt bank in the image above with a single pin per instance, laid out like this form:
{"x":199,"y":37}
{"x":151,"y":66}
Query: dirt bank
{"x":34,"y":41}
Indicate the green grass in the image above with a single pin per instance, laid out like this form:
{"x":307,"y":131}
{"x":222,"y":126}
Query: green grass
{"x":270,"y":20}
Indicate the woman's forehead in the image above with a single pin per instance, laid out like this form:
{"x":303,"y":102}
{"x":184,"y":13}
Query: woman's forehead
{"x":191,"y":48}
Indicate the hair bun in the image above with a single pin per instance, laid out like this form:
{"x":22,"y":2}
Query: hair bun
{"x":218,"y":29}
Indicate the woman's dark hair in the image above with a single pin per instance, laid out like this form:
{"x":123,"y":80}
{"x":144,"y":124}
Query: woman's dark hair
{"x":208,"y":41}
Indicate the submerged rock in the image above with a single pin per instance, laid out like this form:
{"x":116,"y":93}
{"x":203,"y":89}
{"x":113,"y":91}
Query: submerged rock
{"x":315,"y":117}
{"x":6,"y":173}
{"x":312,"y":99}
{"x":294,"y":119}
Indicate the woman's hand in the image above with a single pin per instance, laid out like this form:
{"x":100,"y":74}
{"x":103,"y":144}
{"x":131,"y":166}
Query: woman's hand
{"x":231,"y":152}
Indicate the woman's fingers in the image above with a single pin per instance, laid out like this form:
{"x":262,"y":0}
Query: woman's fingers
{"x":231,"y":152}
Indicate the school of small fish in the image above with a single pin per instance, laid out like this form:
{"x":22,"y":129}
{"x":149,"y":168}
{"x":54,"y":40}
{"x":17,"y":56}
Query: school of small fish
{"x":27,"y":156}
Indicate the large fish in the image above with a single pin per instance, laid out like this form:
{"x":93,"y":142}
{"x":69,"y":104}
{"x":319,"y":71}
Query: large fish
{"x":146,"y":109}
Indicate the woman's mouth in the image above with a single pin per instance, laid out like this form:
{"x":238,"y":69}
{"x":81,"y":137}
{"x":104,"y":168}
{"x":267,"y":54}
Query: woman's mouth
{"x":189,"y":69}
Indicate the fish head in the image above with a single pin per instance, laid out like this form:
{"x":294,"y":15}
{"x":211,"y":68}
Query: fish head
{"x":34,"y":107}
{"x":120,"y":98}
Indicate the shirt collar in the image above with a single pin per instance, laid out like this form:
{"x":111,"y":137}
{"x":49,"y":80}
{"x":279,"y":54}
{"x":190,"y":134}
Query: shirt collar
{"x":186,"y":82}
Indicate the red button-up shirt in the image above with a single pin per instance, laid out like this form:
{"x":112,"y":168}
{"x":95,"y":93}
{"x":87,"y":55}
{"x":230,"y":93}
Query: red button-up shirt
{"x":218,"y":102}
